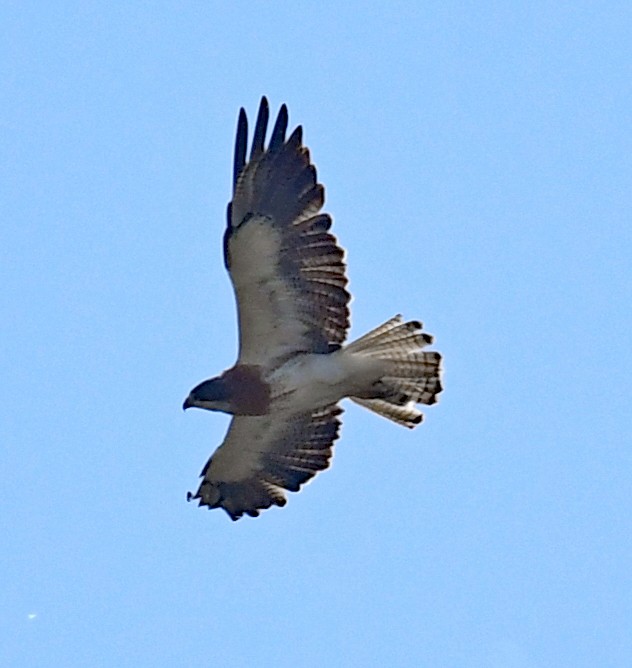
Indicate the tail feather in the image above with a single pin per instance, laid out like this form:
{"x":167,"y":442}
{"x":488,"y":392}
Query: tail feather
{"x":404,"y":342}
{"x":374,"y":335}
{"x":412,"y":376}
{"x":407,"y":416}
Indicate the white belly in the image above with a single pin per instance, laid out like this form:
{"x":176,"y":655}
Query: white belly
{"x":310,"y":381}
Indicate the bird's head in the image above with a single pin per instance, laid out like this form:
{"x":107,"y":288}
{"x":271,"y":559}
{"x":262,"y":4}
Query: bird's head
{"x":213,"y":395}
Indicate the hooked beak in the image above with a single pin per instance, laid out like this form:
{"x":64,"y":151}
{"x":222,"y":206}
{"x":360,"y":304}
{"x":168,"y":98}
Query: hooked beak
{"x":187,"y":403}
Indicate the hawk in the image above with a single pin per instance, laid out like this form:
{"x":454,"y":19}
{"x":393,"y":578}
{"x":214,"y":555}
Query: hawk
{"x":293,"y":369}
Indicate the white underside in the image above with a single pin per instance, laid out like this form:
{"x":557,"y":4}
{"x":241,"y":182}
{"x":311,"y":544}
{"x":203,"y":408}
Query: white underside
{"x":309,"y":381}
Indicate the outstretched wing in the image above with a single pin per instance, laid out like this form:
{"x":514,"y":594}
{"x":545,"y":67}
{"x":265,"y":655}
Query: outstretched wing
{"x":263,"y":456}
{"x":286,"y":267}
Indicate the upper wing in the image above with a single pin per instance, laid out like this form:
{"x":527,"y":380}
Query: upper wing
{"x":262,"y":456}
{"x":286,"y":268}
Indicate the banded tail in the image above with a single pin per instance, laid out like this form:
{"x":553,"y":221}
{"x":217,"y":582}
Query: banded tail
{"x":412,"y":376}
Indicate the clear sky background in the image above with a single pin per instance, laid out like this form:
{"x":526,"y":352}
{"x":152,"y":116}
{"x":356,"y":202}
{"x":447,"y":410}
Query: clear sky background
{"x":477,"y":160}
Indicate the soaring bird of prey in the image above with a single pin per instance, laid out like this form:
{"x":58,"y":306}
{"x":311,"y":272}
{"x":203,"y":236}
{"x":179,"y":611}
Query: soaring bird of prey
{"x":293,"y":369}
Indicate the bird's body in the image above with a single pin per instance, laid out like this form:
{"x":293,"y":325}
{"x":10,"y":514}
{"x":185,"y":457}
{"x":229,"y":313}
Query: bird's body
{"x":312,"y":380}
{"x":293,"y":367}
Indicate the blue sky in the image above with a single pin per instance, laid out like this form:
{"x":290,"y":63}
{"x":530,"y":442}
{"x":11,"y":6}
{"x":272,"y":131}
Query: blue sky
{"x":477,"y":160}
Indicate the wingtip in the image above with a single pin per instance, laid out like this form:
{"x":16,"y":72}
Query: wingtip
{"x":264,"y":110}
{"x":277,"y":139}
{"x":296,"y":138}
{"x":241,"y":142}
{"x":261,"y":126}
